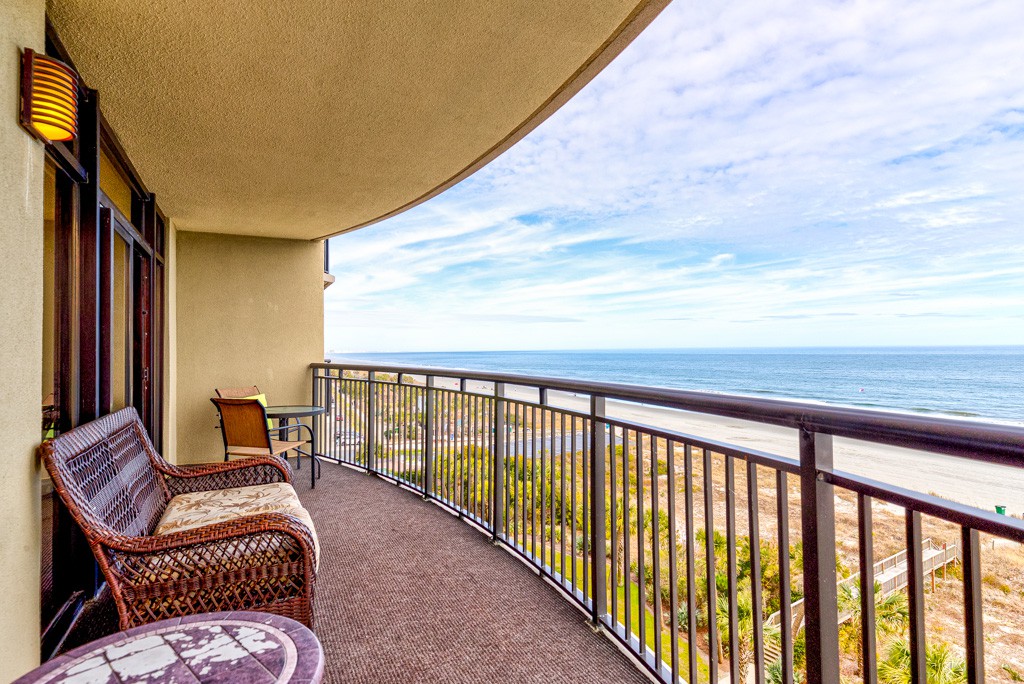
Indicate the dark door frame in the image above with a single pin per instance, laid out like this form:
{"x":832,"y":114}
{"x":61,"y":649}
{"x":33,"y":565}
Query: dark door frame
{"x":86,"y":224}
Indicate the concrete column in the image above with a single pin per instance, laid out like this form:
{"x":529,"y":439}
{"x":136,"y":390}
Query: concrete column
{"x":22,"y":24}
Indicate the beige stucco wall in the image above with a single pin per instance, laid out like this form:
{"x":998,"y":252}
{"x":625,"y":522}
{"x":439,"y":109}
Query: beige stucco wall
{"x":249,"y":311}
{"x":22,"y":24}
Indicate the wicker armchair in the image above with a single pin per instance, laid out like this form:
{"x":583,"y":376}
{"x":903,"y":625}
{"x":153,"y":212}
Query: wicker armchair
{"x":117,"y":488}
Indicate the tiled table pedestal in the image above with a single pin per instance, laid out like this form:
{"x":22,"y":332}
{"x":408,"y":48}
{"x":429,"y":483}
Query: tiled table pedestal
{"x":214,"y":647}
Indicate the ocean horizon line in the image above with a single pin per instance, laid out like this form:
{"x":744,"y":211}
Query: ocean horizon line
{"x":761,"y":349}
{"x":972,"y":382}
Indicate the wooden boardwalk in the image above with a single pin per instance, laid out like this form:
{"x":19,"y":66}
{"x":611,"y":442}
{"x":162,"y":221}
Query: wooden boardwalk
{"x":890,"y":574}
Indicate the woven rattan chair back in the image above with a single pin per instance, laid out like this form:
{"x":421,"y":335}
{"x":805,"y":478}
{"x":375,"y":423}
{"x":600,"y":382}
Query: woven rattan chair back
{"x":243,"y":422}
{"x":105,"y":468}
{"x":237,"y":392}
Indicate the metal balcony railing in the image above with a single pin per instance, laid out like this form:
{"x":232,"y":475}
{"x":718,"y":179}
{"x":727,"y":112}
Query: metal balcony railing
{"x":620,"y":516}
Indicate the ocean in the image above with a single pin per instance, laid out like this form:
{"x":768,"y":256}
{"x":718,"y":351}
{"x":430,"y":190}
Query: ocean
{"x":984,"y":383}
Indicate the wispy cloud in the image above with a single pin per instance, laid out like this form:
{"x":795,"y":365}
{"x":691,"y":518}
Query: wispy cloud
{"x":769,"y":173}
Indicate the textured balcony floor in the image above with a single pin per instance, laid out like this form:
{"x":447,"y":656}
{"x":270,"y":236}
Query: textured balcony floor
{"x":407,"y":592}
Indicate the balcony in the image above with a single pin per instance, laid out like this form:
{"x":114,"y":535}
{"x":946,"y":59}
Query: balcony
{"x":611,"y":514}
{"x":406,"y":592}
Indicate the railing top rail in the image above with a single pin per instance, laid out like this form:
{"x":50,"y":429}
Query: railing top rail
{"x":967,"y":439}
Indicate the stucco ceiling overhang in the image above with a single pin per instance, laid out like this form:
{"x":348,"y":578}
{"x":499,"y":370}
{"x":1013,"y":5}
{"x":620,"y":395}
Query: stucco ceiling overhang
{"x":306,"y":119}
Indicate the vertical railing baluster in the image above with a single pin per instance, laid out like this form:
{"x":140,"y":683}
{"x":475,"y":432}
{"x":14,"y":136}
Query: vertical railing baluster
{"x":328,"y":422}
{"x":785,"y":590}
{"x":483,"y":487}
{"x":598,"y":548}
{"x":493,"y":472}
{"x":543,"y":463}
{"x":673,"y":560}
{"x":519,"y":481}
{"x":360,"y":398}
{"x":533,"y":483}
{"x":915,"y":596}
{"x":691,"y":564}
{"x":626,"y":570}
{"x":460,"y":453}
{"x":364,"y":392}
{"x":709,"y":558}
{"x":472,"y":501}
{"x":478,"y":461}
{"x":396,"y":430}
{"x":818,"y":518}
{"x":411,"y":437}
{"x":513,"y":449}
{"x":613,"y":484}
{"x":867,"y":590}
{"x":484,"y":460}
{"x":587,"y":500}
{"x":451,"y":461}
{"x":561,"y":536}
{"x":523,"y":485}
{"x":392,"y":431}
{"x":465,"y":452}
{"x":481,"y":493}
{"x":656,"y":552}
{"x":973,"y":620}
{"x":388,"y":437}
{"x":512,"y":474}
{"x":342,"y":410}
{"x":371,"y":423}
{"x":446,"y":455}
{"x":551,"y":490}
{"x":731,"y":571}
{"x":333,"y":388}
{"x":317,"y":421}
{"x":465,"y":487}
{"x":428,"y":439}
{"x":641,"y":574}
{"x":443,"y":418}
{"x":572,"y":497}
{"x":437,"y":450}
{"x":350,"y":390}
{"x":757,"y":608}
{"x":498,"y":469}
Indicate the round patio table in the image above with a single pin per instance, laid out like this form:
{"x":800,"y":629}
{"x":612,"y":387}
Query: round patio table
{"x":285,"y":414}
{"x":212,"y":647}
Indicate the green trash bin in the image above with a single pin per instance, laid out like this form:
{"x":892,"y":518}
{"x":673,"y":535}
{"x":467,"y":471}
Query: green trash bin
{"x":1001,"y":510}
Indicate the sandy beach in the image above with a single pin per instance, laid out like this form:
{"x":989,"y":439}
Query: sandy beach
{"x":977,"y":484}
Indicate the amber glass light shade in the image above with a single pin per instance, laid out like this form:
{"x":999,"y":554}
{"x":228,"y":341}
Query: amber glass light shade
{"x":49,"y":97}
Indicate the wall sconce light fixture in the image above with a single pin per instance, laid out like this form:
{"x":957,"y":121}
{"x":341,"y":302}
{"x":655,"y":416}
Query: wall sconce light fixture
{"x":49,"y":97}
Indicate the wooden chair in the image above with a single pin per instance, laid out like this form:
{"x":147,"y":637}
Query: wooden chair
{"x":243,"y":424}
{"x":245,"y":555}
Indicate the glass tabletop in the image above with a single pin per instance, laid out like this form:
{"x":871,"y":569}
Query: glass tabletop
{"x":294,"y":411}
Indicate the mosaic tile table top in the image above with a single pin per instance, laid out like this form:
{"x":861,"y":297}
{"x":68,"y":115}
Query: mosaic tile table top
{"x":211,"y":648}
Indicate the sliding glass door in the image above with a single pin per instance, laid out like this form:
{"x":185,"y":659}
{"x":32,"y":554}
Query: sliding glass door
{"x":131,"y":339}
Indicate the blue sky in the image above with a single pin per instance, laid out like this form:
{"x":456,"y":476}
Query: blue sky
{"x":744,"y":174}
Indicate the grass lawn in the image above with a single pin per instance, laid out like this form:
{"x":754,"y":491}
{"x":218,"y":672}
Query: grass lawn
{"x":649,"y":618}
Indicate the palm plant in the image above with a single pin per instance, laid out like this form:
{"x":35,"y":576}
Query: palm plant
{"x":774,"y":674}
{"x":892,"y":614}
{"x":744,"y":624}
{"x":942,"y":666}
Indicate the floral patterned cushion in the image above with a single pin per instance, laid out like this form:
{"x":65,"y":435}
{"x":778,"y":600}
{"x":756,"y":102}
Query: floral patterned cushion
{"x":196,"y":509}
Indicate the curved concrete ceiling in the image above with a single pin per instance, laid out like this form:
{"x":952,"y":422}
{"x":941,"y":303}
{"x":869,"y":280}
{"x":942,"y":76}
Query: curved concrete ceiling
{"x":307,"y":119}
